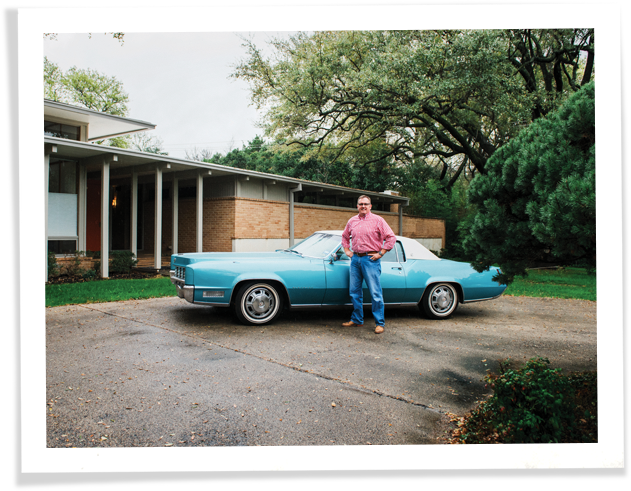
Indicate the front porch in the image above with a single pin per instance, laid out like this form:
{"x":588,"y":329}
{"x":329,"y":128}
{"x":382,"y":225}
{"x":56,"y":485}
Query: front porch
{"x":146,"y":261}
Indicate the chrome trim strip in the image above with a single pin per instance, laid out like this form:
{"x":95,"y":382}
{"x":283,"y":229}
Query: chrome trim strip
{"x":482,"y":299}
{"x":339,"y":305}
{"x":314,"y":306}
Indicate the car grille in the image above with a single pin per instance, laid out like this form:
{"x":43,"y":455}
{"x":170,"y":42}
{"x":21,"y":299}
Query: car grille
{"x":180,"y":273}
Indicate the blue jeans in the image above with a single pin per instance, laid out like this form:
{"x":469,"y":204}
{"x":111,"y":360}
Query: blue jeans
{"x":365,"y":269}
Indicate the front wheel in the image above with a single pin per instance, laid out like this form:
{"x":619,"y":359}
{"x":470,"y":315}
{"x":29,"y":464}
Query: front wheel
{"x":439,"y":301}
{"x":258,"y":303}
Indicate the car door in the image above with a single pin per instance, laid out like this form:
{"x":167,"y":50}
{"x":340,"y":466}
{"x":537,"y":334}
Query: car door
{"x":392,"y":276}
{"x":338,"y":278}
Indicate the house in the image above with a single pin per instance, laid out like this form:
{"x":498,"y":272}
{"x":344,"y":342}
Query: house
{"x":103,"y":198}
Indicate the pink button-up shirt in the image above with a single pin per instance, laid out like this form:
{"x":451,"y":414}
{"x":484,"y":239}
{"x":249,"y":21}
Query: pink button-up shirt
{"x":369,"y":233}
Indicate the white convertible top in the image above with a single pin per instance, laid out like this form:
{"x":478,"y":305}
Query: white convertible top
{"x":413,"y":248}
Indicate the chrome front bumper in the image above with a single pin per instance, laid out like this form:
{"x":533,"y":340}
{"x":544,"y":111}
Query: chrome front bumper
{"x":187,"y":292}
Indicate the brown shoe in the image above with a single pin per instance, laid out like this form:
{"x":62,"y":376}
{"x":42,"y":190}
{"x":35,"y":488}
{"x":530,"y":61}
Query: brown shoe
{"x":379,"y":329}
{"x":351,"y":324}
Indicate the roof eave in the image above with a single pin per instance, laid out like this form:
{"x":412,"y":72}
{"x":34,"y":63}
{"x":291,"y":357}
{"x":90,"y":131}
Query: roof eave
{"x":152,"y":158}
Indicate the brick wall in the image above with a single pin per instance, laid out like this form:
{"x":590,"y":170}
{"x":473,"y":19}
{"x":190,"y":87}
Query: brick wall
{"x":63,"y":263}
{"x":261,"y":219}
{"x":308,"y":219}
{"x":218,"y":219}
{"x":417,"y":227}
{"x":231,"y":218}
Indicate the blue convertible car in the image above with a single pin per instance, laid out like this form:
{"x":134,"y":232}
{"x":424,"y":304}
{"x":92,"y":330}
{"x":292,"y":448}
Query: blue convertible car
{"x":315,"y":273}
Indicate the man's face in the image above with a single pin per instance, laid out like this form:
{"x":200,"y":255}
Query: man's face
{"x":363,"y":206}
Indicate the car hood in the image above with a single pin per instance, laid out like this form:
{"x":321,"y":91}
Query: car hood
{"x":239,"y":257}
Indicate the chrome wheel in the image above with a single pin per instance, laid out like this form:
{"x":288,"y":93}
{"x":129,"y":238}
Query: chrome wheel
{"x":258,"y":303}
{"x":440,"y":301}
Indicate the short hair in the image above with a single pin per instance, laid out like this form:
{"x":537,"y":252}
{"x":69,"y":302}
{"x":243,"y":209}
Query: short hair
{"x":364,"y":196}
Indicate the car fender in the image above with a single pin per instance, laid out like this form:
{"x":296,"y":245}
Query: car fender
{"x":432,"y":280}
{"x":253,"y":276}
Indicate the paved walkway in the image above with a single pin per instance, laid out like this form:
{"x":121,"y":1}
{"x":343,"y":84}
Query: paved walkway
{"x":163,"y":372}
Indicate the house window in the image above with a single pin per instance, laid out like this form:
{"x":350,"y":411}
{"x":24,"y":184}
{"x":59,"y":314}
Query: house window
{"x":62,"y":207}
{"x":60,"y":130}
{"x":62,"y":177}
{"x":62,"y":246}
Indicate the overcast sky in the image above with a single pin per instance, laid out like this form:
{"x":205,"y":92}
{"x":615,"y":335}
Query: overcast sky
{"x":174,"y":64}
{"x":177,"y":81}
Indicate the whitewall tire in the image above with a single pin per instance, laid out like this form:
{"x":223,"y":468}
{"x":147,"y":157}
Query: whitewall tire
{"x":439,"y":301}
{"x":258,"y":303}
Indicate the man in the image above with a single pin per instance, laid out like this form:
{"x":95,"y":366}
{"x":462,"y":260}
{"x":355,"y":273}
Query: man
{"x":372,"y":237}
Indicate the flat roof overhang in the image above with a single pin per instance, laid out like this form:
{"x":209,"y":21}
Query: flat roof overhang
{"x":145,"y":163}
{"x":101,"y":125}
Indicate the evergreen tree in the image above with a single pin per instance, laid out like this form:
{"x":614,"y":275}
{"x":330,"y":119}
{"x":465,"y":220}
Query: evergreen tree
{"x":537,"y":201}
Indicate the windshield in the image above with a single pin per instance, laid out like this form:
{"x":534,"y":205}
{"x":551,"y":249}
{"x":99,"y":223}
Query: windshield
{"x":318,"y":245}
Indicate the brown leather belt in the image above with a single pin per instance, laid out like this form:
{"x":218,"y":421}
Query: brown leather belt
{"x":362,"y":254}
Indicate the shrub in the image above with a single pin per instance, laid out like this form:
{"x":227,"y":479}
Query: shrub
{"x":534,"y":404}
{"x":122,"y":261}
{"x":73,"y":267}
{"x":90,"y":274}
{"x":53,"y":267}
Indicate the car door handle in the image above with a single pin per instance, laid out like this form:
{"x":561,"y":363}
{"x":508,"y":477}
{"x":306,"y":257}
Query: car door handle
{"x":395,"y":267}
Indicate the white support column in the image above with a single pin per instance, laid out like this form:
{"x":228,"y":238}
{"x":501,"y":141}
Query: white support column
{"x":175,"y":196}
{"x":291,"y":213}
{"x":48,"y":149}
{"x":83,"y":207}
{"x":134,"y":213}
{"x":200,"y":211}
{"x":105,"y":217}
{"x":46,"y":178}
{"x":158,"y":221}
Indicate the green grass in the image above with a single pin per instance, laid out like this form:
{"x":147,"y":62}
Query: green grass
{"x":560,"y":283}
{"x":108,"y":291}
{"x":556,"y":283}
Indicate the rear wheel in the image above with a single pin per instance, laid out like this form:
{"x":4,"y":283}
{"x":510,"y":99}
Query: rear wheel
{"x":439,"y":301}
{"x":258,"y":303}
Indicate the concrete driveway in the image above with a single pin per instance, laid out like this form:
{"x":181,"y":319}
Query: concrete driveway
{"x":163,"y":372}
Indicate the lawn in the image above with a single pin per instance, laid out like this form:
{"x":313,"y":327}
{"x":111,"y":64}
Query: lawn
{"x":558,"y":283}
{"x":112,"y":290}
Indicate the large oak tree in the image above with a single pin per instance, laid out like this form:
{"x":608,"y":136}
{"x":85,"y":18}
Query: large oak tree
{"x":90,"y":89}
{"x":445,"y":98}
